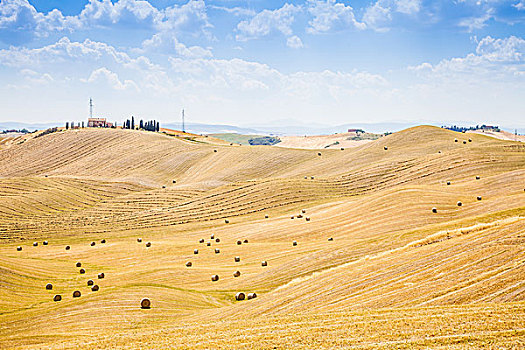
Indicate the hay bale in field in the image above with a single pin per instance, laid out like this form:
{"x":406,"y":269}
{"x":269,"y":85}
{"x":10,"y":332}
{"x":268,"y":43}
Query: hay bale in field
{"x":212,"y":236}
{"x":49,"y":286}
{"x":479,"y":198}
{"x":311,"y":178}
{"x":240,"y":296}
{"x":464,"y":142}
{"x":215,"y":151}
{"x":217,"y":250}
{"x":189,"y":264}
{"x":57,"y":297}
{"x":90,"y":282}
{"x":319,"y":153}
{"x":455,"y":140}
{"x":448,"y":182}
{"x":294,"y":243}
{"x":342,"y":148}
{"x":215,"y":278}
{"x":227,"y":221}
{"x":139,"y":240}
{"x":236,"y":273}
{"x":292,"y":217}
{"x":434,"y":210}
{"x":145,"y":303}
{"x":306,"y":177}
{"x":68,"y":247}
{"x":252,"y":296}
{"x":101,"y":275}
{"x":93,"y":243}
{"x":174,"y":181}
{"x":82,"y":271}
{"x":201,"y":240}
{"x":299,"y":216}
{"x":303,"y":211}
{"x":19,"y":248}
{"x":330,"y":239}
{"x":237,"y":259}
{"x":45,"y":243}
{"x":208,"y":244}
{"x":245,"y":241}
{"x":103,"y":241}
{"x":239,"y":242}
{"x":477,"y":177}
{"x":78,"y":264}
{"x":35,"y":244}
{"x":148,"y":244}
{"x":459,"y":204}
{"x":94,"y":288}
{"x":307,"y":218}
{"x":76,"y":294}
{"x":195,"y":251}
{"x":386,"y":148}
{"x":163,"y":186}
{"x":266,"y":216}
{"x":217,"y":240}
{"x":264,"y":263}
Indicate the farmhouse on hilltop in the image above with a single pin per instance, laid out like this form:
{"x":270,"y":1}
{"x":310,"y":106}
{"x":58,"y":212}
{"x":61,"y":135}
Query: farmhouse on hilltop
{"x":99,"y":123}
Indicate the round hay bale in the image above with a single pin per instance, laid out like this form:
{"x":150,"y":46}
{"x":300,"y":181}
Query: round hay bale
{"x":201,"y":240}
{"x":217,"y":240}
{"x":319,"y":153}
{"x":19,"y":248}
{"x":95,"y":288}
{"x":57,"y":297}
{"x":266,"y":216}
{"x":217,"y":250}
{"x":434,"y":210}
{"x":49,"y":286}
{"x":45,"y":243}
{"x":307,"y":218}
{"x":455,"y":140}
{"x":306,"y":177}
{"x":459,"y":204}
{"x":245,"y":241}
{"x":469,"y":140}
{"x":35,"y":244}
{"x":93,"y":243}
{"x":82,"y":271}
{"x":464,"y":142}
{"x":227,"y":221}
{"x":139,"y":240}
{"x":439,"y":151}
{"x":264,"y":263}
{"x":208,"y":244}
{"x":174,"y":181}
{"x":103,"y":241}
{"x":163,"y":186}
{"x":215,"y":150}
{"x":477,"y":177}
{"x":76,"y":294}
{"x":101,"y":275}
{"x":330,"y":239}
{"x":299,"y":216}
{"x":303,"y":211}
{"x":145,"y":303}
{"x":240,"y":296}
{"x":231,"y":143}
{"x":239,"y":242}
{"x":237,"y":258}
{"x":311,"y":178}
{"x":212,"y":236}
{"x":448,"y":182}
{"x":90,"y":282}
{"x":294,"y":243}
{"x":236,"y":273}
{"x":195,"y":251}
{"x":148,"y":244}
{"x":78,"y":264}
{"x":292,"y":217}
{"x":189,"y":264}
{"x":252,"y":296}
{"x":479,"y":198}
{"x":342,"y":148}
{"x":68,"y":247}
{"x":215,"y":278}
{"x":386,"y":148}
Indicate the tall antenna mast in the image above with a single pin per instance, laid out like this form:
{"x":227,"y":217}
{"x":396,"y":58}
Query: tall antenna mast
{"x":90,"y":108}
{"x":183,"y":120}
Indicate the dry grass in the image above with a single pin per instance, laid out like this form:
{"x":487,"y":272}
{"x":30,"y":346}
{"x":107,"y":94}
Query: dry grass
{"x":391,"y":276}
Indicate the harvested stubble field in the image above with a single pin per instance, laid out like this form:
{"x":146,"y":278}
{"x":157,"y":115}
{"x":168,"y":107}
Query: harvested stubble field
{"x":394,"y":274}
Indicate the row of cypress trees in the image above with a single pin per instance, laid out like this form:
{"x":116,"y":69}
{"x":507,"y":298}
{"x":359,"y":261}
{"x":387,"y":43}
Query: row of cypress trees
{"x":150,"y":125}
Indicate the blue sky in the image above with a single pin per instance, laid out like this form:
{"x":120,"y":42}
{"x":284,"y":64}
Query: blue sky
{"x":251,"y":62}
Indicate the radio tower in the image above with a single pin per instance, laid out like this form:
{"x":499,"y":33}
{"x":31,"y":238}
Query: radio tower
{"x":90,"y":108}
{"x":183,"y":120}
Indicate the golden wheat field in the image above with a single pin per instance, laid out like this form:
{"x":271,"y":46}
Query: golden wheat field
{"x":414,"y":240}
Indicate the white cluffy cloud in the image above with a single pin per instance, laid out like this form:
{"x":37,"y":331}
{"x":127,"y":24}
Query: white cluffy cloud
{"x":294,"y":42}
{"x":104,"y":75}
{"x":268,"y":21}
{"x":379,"y":15}
{"x":328,"y":15}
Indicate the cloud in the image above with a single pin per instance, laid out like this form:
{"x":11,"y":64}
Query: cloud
{"x":520,"y":5}
{"x":380,"y":15}
{"x":268,"y":21}
{"x":111,"y":78}
{"x":167,"y":42}
{"x":329,"y":14}
{"x":294,"y":42}
{"x":236,"y":11}
{"x":476,"y":22}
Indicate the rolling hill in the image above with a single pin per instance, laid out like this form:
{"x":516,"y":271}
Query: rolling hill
{"x":373,"y":266}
